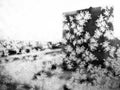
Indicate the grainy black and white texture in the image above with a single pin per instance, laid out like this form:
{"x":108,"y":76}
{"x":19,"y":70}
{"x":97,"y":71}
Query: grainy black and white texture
{"x":90,"y":46}
{"x":88,"y":58}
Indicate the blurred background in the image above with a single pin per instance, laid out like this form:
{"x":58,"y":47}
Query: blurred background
{"x":42,"y":19}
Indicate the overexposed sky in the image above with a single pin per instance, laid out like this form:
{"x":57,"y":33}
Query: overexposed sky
{"x":42,"y":19}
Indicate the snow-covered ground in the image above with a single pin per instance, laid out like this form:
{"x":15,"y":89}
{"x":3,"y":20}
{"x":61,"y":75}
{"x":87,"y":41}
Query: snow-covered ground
{"x":22,"y":72}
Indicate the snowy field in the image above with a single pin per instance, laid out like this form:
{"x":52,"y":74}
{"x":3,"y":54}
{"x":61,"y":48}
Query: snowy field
{"x":25,"y":74}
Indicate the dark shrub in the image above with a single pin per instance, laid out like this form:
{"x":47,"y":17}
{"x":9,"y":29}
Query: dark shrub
{"x":87,"y":37}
